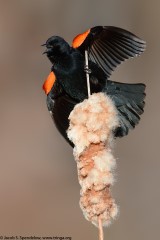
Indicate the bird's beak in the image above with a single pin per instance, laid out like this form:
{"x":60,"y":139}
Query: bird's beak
{"x":44,"y":45}
{"x":47,"y":51}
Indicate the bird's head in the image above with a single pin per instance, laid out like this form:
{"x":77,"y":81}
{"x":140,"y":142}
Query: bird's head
{"x":56,"y":47}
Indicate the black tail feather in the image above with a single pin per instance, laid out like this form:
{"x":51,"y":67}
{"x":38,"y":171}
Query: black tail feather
{"x":129,"y":100}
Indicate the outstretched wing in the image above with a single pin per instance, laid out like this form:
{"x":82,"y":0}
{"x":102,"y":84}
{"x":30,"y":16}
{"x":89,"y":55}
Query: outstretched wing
{"x":109,"y":46}
{"x":129,"y":100}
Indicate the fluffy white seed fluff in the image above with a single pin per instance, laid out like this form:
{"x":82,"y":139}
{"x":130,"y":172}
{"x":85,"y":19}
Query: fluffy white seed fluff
{"x":91,"y":126}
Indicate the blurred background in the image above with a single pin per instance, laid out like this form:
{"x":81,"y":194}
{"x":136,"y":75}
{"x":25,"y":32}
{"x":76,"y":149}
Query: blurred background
{"x":39,"y":189}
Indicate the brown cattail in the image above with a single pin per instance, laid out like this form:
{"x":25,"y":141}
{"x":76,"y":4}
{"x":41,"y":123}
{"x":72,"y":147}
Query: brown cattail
{"x":91,"y":130}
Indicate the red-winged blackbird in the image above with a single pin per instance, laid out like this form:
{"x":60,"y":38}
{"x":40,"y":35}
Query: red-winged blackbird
{"x":66,"y":84}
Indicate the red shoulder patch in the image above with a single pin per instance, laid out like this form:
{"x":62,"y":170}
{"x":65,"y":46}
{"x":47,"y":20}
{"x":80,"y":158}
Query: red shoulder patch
{"x":49,"y":82}
{"x":79,"y":39}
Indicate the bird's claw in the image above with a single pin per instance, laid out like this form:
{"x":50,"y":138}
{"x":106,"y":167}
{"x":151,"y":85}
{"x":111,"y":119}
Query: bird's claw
{"x":87,"y":69}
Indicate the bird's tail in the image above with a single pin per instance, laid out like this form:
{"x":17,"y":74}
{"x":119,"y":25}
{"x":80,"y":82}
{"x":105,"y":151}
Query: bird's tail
{"x":129,"y":100}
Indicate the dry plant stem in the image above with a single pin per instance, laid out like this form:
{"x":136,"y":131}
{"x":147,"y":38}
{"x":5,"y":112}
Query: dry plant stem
{"x":87,"y":74}
{"x":100,"y":228}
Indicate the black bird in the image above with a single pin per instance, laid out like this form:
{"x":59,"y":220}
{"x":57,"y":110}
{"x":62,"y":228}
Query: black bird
{"x":66,"y":84}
